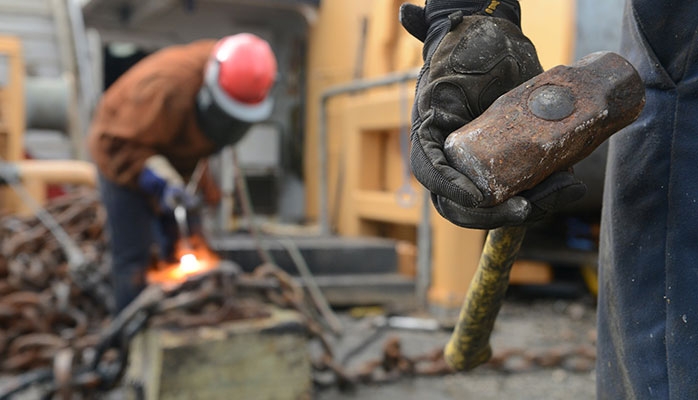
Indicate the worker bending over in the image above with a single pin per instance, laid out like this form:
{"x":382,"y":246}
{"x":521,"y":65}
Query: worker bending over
{"x":151,"y":128}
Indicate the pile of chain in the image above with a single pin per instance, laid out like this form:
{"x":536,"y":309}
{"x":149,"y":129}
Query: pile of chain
{"x":55,"y":330}
{"x":42,"y":310}
{"x":394,"y":364}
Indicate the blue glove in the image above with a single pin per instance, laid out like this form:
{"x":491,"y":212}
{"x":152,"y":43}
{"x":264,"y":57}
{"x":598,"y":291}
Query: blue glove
{"x":160,"y":180}
{"x":175,"y":195}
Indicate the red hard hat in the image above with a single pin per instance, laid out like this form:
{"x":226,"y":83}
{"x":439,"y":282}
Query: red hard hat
{"x":247,"y":67}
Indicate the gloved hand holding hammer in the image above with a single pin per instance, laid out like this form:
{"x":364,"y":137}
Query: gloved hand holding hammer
{"x":494,"y":137}
{"x":474,"y":51}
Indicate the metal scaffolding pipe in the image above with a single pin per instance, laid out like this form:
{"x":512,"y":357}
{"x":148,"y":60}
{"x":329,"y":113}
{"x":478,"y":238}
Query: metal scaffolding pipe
{"x":352,"y":87}
{"x":424,"y":246}
{"x":57,"y":172}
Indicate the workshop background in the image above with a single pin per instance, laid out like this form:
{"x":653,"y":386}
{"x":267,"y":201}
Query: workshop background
{"x":344,"y":280}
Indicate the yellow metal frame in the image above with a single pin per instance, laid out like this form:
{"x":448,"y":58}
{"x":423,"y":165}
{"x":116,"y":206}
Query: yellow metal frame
{"x":372,"y":166}
{"x":35,"y":174}
{"x":12,"y":100}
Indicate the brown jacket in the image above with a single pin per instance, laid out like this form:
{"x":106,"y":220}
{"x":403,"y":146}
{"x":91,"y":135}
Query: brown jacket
{"x":150,"y":110}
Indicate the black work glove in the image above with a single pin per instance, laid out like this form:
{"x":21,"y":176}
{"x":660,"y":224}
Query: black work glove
{"x":474,"y":51}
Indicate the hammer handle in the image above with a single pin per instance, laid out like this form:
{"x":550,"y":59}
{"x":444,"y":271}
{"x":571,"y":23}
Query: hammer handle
{"x":469,"y":345}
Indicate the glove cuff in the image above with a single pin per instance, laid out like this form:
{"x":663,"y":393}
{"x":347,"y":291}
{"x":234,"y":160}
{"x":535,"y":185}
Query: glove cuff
{"x":161,"y":167}
{"x":442,"y":16}
{"x":438,"y":11}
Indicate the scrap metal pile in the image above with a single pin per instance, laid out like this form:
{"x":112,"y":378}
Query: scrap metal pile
{"x":43,"y":310}
{"x":56,"y":331}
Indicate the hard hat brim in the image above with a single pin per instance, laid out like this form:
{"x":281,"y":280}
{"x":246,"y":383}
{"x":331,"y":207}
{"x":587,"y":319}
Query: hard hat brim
{"x":251,"y":113}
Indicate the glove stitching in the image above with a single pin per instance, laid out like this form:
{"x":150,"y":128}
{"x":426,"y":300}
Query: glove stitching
{"x":444,"y":187}
{"x":475,"y":219}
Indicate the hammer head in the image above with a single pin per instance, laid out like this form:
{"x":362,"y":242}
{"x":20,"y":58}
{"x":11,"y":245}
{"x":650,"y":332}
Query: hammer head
{"x":546,"y":124}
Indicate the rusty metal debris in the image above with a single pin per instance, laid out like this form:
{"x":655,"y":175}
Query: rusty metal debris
{"x":42,"y":310}
{"x":56,"y":334}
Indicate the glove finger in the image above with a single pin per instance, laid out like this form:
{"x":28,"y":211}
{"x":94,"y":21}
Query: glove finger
{"x":172,"y":196}
{"x":191,"y":202}
{"x":554,"y":193}
{"x":558,"y":190}
{"x":512,"y":212}
{"x":431,"y":169}
{"x":447,"y":111}
{"x":413,"y":20}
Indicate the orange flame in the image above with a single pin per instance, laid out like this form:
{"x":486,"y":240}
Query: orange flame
{"x":192,"y":261}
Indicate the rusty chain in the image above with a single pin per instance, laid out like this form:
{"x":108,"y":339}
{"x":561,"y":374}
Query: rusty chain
{"x":55,"y":334}
{"x":395,"y":365}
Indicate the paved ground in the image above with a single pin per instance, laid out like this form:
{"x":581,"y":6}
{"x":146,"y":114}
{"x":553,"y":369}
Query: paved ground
{"x":537,"y":325}
{"x":549,"y":385}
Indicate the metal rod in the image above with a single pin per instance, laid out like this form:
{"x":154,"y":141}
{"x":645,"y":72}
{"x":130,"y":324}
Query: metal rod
{"x":227,"y":180}
{"x":424,"y":252}
{"x":180,"y":213}
{"x":195,"y":178}
{"x":86,"y":83}
{"x":311,"y":284}
{"x":74,"y":255}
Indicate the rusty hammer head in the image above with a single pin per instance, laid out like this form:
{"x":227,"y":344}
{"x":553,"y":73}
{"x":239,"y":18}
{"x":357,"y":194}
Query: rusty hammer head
{"x":545,"y":125}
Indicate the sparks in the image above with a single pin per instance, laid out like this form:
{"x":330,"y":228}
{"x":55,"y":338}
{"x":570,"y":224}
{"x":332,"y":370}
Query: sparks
{"x":194,"y":259}
{"x":189,"y":264}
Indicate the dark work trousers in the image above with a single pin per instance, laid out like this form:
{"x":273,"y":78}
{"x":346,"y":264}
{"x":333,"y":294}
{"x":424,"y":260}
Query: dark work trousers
{"x":648,"y":266}
{"x":133,"y":229}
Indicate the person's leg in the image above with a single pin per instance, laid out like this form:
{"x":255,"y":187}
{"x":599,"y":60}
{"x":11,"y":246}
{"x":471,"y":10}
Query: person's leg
{"x":647,"y":344}
{"x":129,"y":220}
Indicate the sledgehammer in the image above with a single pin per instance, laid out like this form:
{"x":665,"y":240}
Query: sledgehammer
{"x":545,"y":125}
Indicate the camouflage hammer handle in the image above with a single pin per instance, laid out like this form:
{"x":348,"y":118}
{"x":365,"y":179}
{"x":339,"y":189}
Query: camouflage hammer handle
{"x":469,"y":345}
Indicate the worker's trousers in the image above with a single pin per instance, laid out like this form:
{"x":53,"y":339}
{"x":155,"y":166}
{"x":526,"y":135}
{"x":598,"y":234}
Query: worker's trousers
{"x":648,"y":270}
{"x":133,"y":229}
